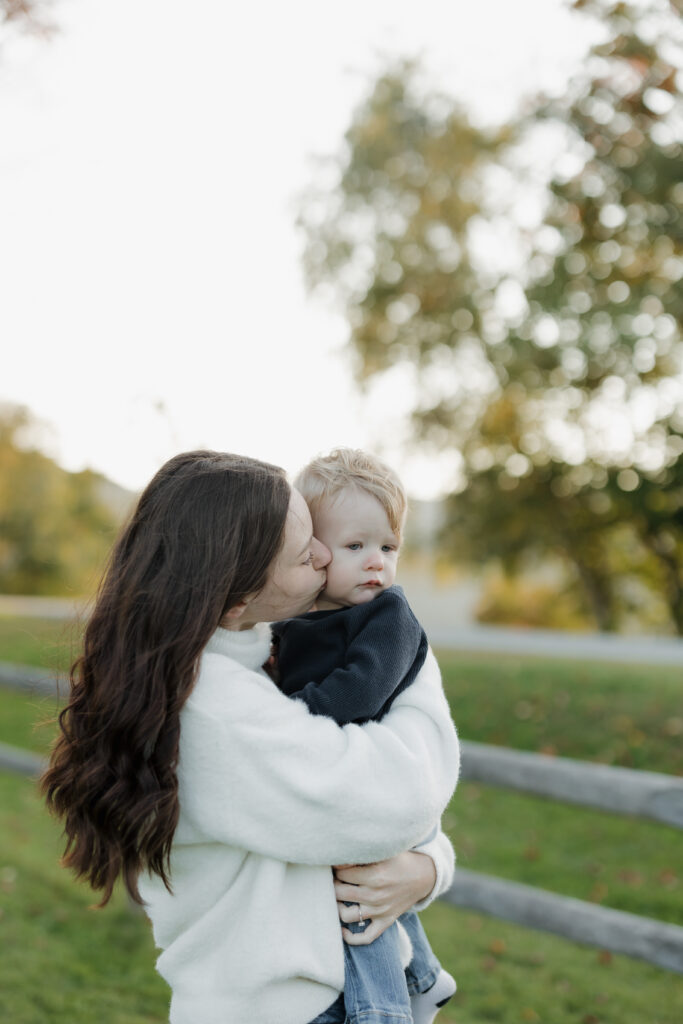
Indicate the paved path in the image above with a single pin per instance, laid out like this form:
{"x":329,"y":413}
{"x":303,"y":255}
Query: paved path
{"x":41,"y":607}
{"x":445,"y":614}
{"x":646,"y":650}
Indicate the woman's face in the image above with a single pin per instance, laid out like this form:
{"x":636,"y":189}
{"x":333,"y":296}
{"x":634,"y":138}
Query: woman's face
{"x":298,"y":574}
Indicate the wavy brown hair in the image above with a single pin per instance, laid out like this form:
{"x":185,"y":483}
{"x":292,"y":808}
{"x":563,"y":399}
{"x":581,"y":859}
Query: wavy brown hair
{"x":202,"y":538}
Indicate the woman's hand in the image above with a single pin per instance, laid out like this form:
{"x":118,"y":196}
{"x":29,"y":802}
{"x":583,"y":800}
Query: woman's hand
{"x":383,"y":891}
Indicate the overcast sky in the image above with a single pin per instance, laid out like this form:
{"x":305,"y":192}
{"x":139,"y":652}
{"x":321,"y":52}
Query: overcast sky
{"x":151,"y":296}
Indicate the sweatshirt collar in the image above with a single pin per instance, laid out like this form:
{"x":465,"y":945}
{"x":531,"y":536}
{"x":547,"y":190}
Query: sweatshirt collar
{"x":249,"y":647}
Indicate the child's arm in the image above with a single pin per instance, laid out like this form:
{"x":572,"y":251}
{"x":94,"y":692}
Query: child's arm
{"x":381,"y":660}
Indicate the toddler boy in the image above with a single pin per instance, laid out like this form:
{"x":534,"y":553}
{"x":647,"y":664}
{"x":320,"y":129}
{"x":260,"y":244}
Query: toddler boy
{"x":349,"y":660}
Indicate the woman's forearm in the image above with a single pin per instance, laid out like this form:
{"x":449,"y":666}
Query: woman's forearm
{"x":302,"y":789}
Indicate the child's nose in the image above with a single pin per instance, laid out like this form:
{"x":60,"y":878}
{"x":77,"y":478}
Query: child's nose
{"x":375,"y":560}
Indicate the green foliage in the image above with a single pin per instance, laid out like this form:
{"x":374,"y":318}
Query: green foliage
{"x":517,"y":601}
{"x":55,"y":529}
{"x":558,"y":378}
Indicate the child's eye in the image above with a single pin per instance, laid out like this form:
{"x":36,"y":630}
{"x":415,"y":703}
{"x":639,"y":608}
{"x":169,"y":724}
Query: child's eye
{"x":388,"y":547}
{"x":355,"y":546}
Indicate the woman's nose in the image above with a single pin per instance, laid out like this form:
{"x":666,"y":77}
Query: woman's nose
{"x":321,"y":554}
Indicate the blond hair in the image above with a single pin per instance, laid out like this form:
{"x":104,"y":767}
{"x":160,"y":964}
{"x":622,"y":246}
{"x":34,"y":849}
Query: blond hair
{"x":327,"y":475}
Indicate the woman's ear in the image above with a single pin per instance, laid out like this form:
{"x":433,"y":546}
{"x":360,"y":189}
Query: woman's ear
{"x":232,"y":616}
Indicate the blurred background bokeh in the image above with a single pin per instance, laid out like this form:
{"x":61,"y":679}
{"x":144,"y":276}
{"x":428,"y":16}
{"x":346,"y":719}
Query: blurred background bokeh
{"x":449,"y":232}
{"x":455,"y":238}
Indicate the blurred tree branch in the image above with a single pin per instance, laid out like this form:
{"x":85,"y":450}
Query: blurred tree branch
{"x":558,"y":379}
{"x":28,"y":15}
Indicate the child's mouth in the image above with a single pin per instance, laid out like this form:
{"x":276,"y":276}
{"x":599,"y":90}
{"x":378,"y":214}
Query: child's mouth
{"x":372,"y":583}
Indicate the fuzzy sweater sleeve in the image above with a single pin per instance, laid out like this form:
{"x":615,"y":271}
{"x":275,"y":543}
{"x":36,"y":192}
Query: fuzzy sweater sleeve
{"x":258,"y":771}
{"x":441,"y":851}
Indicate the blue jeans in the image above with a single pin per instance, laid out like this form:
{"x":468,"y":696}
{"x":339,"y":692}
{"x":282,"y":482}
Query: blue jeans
{"x":424,"y":968}
{"x":376,"y":988}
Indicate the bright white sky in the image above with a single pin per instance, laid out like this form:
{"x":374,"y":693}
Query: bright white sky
{"x":151,"y":296}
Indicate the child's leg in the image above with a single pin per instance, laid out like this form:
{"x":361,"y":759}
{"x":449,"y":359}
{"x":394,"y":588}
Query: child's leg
{"x":375,"y":990}
{"x":335,"y":1014}
{"x":424,"y":968}
{"x":429,"y":985}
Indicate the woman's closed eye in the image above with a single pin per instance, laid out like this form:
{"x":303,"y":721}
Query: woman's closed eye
{"x":309,"y":560}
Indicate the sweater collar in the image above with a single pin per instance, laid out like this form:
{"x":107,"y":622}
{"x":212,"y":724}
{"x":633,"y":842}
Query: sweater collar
{"x":249,"y":647}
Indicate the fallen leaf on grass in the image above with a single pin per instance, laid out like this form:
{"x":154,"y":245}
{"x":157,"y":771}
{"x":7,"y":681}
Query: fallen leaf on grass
{"x":598,"y":892}
{"x":668,"y":878}
{"x":631,"y":877}
{"x":605,"y":957}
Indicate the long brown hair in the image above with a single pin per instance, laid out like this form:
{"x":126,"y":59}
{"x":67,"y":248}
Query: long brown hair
{"x":201,"y":539}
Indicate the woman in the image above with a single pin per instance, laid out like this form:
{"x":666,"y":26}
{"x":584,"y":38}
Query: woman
{"x":219,"y":801}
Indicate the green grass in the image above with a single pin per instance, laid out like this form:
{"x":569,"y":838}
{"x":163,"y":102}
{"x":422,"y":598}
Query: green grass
{"x":511,"y":975}
{"x":625,"y":863}
{"x":67,"y":964}
{"x":62,"y":962}
{"x":630,"y":715}
{"x":27,"y":720}
{"x":78,"y":965}
{"x":46,"y":642}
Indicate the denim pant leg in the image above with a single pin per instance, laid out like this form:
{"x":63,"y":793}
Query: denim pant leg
{"x":334,"y":1014}
{"x":423,"y":969}
{"x":375,"y":990}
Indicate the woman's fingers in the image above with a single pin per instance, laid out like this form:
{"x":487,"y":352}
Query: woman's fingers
{"x":353,"y":874}
{"x":364,"y":938}
{"x":375,"y":898}
{"x":354,"y":913}
{"x":353,"y":893}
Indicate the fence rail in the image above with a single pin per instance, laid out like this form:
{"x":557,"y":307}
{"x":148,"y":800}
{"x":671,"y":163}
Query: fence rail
{"x":617,"y":790}
{"x":640,"y":937}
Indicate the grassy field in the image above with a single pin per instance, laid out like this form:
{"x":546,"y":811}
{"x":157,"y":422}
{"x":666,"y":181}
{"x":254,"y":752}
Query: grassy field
{"x":46,"y":642}
{"x":68,"y":964}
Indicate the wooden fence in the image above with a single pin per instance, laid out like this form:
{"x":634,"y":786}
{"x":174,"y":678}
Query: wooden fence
{"x":617,"y":790}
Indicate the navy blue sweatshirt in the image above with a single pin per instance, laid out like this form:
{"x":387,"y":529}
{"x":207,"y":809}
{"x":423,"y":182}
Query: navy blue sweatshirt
{"x":351,"y":663}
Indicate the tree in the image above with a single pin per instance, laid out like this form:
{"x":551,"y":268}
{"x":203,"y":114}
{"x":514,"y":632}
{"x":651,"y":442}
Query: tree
{"x":27,"y":15}
{"x":55,"y":530}
{"x":559,"y":382}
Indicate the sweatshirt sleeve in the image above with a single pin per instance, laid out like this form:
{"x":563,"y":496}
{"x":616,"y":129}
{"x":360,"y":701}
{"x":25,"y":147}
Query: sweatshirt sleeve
{"x":376,"y":661}
{"x":441,"y":851}
{"x":258,"y":771}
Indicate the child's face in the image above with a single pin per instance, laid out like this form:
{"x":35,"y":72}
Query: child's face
{"x":364,"y":548}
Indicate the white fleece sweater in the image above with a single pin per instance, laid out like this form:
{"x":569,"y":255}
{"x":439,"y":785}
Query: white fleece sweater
{"x":270,"y":796}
